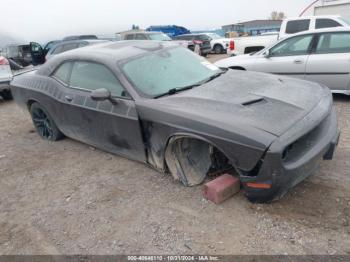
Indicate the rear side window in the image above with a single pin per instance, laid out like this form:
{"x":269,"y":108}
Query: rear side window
{"x":62,"y":72}
{"x":297,"y":26}
{"x":91,"y":76}
{"x":333,"y":43}
{"x":326,"y":23}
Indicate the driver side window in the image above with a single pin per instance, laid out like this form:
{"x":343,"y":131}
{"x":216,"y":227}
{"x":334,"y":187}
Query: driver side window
{"x":92,"y":76}
{"x":299,"y":45}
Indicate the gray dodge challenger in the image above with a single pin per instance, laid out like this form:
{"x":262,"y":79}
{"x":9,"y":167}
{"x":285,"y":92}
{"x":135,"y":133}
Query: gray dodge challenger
{"x":161,"y":104}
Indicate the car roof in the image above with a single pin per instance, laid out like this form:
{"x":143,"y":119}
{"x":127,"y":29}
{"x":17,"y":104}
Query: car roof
{"x":324,"y":30}
{"x":107,"y":52}
{"x":311,"y":17}
{"x":89,"y":41}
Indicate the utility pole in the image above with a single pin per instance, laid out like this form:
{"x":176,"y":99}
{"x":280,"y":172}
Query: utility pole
{"x":307,"y":8}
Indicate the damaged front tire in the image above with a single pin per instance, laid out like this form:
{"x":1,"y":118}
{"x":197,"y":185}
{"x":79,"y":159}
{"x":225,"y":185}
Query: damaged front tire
{"x":189,"y":160}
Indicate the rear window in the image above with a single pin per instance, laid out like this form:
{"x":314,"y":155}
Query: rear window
{"x":333,"y":43}
{"x":297,"y":26}
{"x":326,"y":23}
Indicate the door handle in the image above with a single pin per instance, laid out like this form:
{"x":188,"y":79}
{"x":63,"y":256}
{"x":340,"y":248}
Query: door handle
{"x":68,"y":98}
{"x":298,"y":61}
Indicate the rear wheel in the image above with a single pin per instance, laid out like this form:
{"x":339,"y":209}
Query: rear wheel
{"x":44,"y":124}
{"x":218,"y":49}
{"x":6,"y":95}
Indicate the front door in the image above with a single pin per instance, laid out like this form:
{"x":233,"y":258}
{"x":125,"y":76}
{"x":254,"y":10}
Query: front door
{"x":288,"y":57}
{"x":110,"y":125}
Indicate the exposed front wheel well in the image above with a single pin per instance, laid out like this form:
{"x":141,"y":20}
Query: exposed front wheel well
{"x":191,"y":159}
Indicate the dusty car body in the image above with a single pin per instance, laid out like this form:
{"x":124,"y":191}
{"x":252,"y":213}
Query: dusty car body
{"x":273,"y":131}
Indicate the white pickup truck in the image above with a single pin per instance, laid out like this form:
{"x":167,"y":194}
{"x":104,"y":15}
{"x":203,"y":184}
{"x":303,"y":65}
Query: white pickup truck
{"x":249,"y":44}
{"x":218,"y":44}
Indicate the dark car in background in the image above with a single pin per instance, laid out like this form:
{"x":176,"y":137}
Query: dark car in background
{"x":64,"y":46}
{"x":197,"y":39}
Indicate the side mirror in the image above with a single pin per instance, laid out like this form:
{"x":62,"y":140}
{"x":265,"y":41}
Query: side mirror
{"x":100,"y":94}
{"x":267,"y":53}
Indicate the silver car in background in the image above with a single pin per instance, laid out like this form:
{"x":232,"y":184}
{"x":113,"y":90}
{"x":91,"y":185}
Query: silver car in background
{"x":5,"y":78}
{"x":321,"y":56}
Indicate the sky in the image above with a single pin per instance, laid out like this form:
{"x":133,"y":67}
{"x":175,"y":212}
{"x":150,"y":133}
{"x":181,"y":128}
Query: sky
{"x":40,"y":20}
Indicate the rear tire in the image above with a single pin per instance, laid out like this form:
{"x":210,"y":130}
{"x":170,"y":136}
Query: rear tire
{"x":6,"y":95}
{"x":44,"y":124}
{"x":218,"y":49}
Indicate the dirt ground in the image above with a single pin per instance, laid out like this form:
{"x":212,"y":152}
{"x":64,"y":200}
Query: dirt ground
{"x":69,"y":198}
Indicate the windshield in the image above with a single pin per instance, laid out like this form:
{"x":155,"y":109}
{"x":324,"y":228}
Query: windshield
{"x":347,"y":21}
{"x":158,"y":72}
{"x":159,"y":37}
{"x":214,"y":36}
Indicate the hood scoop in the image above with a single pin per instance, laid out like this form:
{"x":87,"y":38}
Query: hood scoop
{"x":254,"y":101}
{"x":250,"y":99}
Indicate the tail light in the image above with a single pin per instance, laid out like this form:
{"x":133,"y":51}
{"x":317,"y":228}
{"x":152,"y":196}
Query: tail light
{"x":232,"y":45}
{"x":197,"y":42}
{"x":3,"y":61}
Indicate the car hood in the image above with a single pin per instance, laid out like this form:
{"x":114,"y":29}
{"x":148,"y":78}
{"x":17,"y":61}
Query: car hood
{"x":249,"y":100}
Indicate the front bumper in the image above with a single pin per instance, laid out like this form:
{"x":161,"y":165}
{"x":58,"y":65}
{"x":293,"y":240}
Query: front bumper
{"x":307,"y":143}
